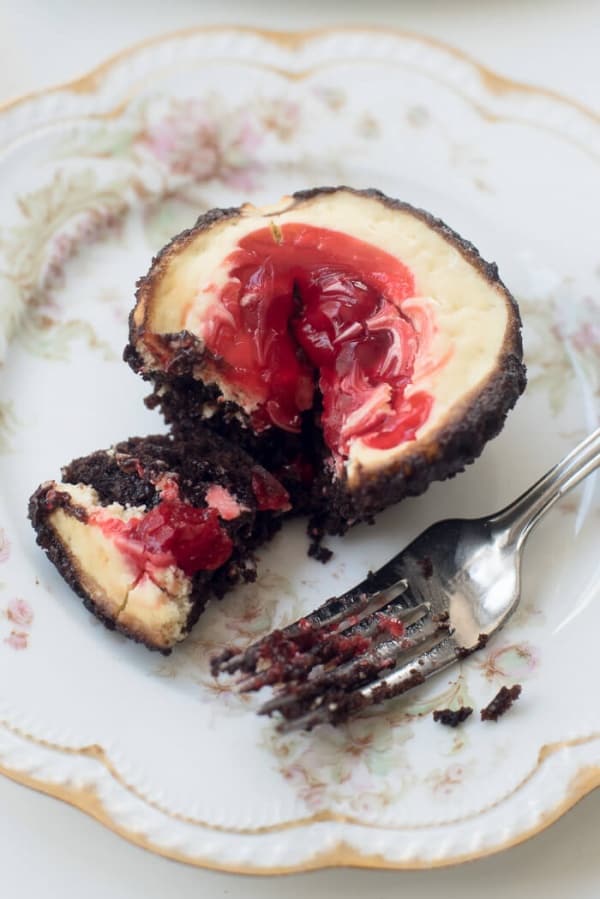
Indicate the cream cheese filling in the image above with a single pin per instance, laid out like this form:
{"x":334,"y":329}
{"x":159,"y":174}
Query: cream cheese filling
{"x":155,"y":606}
{"x":471,"y":314}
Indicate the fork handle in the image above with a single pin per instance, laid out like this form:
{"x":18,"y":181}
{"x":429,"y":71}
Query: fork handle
{"x":522,"y":515}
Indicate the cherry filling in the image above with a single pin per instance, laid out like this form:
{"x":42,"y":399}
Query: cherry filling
{"x":194,"y":536}
{"x":172,"y":533}
{"x":177,"y":533}
{"x":269,"y":494}
{"x":301,"y":298}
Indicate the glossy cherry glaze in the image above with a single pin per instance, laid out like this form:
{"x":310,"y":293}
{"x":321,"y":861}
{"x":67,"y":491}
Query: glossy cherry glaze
{"x":307,"y":307}
{"x":172,"y":533}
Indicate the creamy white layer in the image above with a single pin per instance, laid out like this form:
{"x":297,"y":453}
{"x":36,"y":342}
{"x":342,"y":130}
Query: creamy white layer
{"x":155,"y":606}
{"x":468,"y":316}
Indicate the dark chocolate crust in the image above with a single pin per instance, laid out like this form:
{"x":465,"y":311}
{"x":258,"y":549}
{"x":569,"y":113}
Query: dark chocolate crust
{"x":127,"y":477}
{"x":456,"y":445}
{"x":181,"y":401}
{"x":334,"y":503}
{"x":128,"y":474}
{"x":41,"y":505}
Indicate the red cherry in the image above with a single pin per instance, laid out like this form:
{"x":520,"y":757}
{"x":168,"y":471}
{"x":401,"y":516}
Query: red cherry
{"x":309,"y":306}
{"x":269,"y":493}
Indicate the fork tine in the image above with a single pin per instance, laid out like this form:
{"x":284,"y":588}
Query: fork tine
{"x":338,"y":608}
{"x":291,"y":701}
{"x":340,"y":705}
{"x":340,"y":647}
{"x":333,"y":611}
{"x":294,"y":662}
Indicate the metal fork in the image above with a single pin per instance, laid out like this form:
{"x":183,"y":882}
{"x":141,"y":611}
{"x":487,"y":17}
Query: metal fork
{"x":437,"y":601}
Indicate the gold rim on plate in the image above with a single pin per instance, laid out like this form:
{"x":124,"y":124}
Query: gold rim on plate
{"x":86,"y":799}
{"x":493,"y":81}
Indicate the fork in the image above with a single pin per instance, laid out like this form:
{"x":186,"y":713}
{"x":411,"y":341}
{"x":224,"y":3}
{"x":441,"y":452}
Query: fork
{"x":431,"y":605}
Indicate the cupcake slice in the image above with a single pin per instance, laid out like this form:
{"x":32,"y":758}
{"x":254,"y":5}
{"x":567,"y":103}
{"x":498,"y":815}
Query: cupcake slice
{"x":147,"y":531}
{"x":358,"y":346}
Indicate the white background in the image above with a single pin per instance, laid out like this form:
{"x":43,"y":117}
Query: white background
{"x":48,"y":849}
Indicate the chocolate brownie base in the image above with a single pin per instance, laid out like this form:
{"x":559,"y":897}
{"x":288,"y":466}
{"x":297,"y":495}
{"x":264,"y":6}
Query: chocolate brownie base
{"x":292,"y":458}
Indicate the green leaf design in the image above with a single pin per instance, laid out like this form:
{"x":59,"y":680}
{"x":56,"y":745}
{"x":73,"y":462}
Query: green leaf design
{"x":454,"y":697}
{"x":58,"y":219}
{"x":32,"y":260}
{"x":8,"y":425}
{"x":104,"y":143}
{"x":169,"y":216}
{"x":46,"y":338}
{"x":562,"y":334}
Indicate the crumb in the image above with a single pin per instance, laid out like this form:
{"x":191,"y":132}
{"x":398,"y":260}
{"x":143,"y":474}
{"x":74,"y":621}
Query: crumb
{"x":452,"y":717}
{"x":318,"y":552}
{"x":482,"y":640}
{"x":315,"y":548}
{"x":501,"y":703}
{"x":426,"y":566}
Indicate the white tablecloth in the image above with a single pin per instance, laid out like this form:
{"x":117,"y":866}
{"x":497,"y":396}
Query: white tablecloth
{"x":48,"y":849}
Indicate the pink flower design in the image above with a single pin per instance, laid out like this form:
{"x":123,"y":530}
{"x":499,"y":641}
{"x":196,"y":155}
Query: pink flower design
{"x":4,"y":546}
{"x":510,"y":662}
{"x":444,"y":782}
{"x":280,"y":116}
{"x":192,"y":143}
{"x":17,"y":639}
{"x":585,"y":334}
{"x":20,"y":613}
{"x":587,"y":337}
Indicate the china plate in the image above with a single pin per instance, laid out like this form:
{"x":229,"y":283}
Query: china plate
{"x":95,"y":177}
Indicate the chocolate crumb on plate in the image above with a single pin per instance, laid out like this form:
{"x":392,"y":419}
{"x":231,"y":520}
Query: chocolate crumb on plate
{"x":452,"y":717}
{"x":319,"y":552}
{"x":501,"y":703}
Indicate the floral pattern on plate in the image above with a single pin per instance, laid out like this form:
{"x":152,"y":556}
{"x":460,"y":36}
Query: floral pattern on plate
{"x":88,"y":201}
